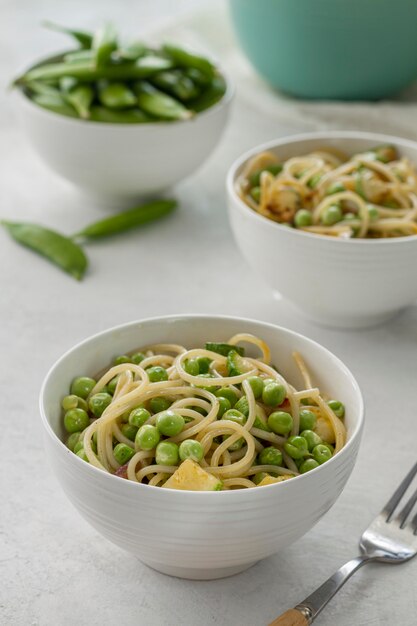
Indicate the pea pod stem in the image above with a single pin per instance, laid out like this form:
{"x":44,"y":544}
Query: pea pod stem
{"x":127,"y":220}
{"x":82,"y":37}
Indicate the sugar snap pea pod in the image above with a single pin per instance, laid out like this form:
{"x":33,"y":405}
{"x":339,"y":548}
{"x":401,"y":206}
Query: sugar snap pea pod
{"x":114,"y":116}
{"x":104,"y":44}
{"x":84,"y":38}
{"x":79,"y":55}
{"x":176,"y":83}
{"x":85,"y":71}
{"x":81,"y":98}
{"x":212,"y":94}
{"x":132,"y":51}
{"x":127,"y":220}
{"x":199,"y":78}
{"x":116,"y":95}
{"x":58,"y":249}
{"x":158,"y":103}
{"x":54,"y":103}
{"x":43,"y":89}
{"x":184,"y":58}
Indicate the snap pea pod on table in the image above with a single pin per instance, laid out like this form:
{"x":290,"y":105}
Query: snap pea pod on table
{"x":65,"y":252}
{"x":165,"y":84}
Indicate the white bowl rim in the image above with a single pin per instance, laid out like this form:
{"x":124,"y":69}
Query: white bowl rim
{"x":299,"y":137}
{"x":165,"y":318}
{"x":224,"y":101}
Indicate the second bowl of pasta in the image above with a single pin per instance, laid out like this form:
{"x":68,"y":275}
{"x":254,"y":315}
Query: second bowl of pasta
{"x":330,"y":221}
{"x":193,"y":435}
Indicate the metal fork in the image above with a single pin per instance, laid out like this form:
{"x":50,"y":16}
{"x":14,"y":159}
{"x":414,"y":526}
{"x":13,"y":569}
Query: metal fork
{"x":389,"y":539}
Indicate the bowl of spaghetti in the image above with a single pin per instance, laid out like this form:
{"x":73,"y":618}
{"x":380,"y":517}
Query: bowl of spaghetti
{"x":215,"y":438}
{"x":330,"y":221}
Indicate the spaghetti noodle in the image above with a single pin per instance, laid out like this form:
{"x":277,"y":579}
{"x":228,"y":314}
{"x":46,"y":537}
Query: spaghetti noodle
{"x":233,"y":415}
{"x":370,"y":195}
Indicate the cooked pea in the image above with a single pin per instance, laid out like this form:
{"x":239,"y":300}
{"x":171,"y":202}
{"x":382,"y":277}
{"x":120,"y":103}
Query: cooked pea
{"x":123,"y":453}
{"x":259,"y":477}
{"x":303,"y":218}
{"x":228,"y":393}
{"x":82,"y":386}
{"x":157,"y":374}
{"x":255,"y":178}
{"x":314,"y":180}
{"x":159,"y":403}
{"x":137,"y":358}
{"x":312,"y":438}
{"x":270,"y":456}
{"x":167,"y":453}
{"x":99,"y":402}
{"x":79,"y":445}
{"x":337,"y":407}
{"x":129,"y":431}
{"x":192,"y":367}
{"x":335,"y":188}
{"x":239,"y":418}
{"x":123,"y":358}
{"x":138,"y":416}
{"x":331,"y":215}
{"x":170,"y":423}
{"x":296,"y":447}
{"x":203,"y":364}
{"x":191,"y":449}
{"x":73,"y":402}
{"x":257,"y":385}
{"x":308,"y":465}
{"x":255,"y":192}
{"x":81,"y":453}
{"x":112,"y":384}
{"x":242,"y":405}
{"x":273,"y":394}
{"x":73,"y":440}
{"x":224,"y":405}
{"x":76,"y":420}
{"x":321,"y":453}
{"x":307,"y":420}
{"x":147,"y":437}
{"x":280,"y":422}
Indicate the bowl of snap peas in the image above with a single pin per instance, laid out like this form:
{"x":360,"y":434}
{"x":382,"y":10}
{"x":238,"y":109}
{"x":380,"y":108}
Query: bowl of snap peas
{"x":123,"y":120}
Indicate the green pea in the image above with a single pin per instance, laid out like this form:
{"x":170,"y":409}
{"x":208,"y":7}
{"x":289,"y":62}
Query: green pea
{"x":308,"y":402}
{"x":321,"y":453}
{"x":129,"y":431}
{"x":296,"y":447}
{"x":280,"y":422}
{"x":73,"y":402}
{"x":314,"y":180}
{"x":167,"y":453}
{"x":228,"y":393}
{"x":79,"y":446}
{"x":203,"y":364}
{"x":192,"y":367}
{"x":270,"y":456}
{"x":242,"y":405}
{"x":259,"y":477}
{"x":312,"y":438}
{"x":303,"y":218}
{"x":123,"y":453}
{"x":170,"y":423}
{"x":191,"y":449}
{"x":157,"y":374}
{"x":335,"y":188}
{"x":73,"y":439}
{"x":209,"y":388}
{"x":82,"y":386}
{"x":329,"y":445}
{"x":112,"y":384}
{"x":75,"y":420}
{"x":138,"y":416}
{"x":255,"y":192}
{"x":261,"y":422}
{"x":331,"y":215}
{"x":122,"y":359}
{"x":159,"y":403}
{"x":235,"y":416}
{"x":257,"y":385}
{"x":255,"y":178}
{"x":372,"y":212}
{"x":99,"y":402}
{"x":137,"y":358}
{"x":147,"y":437}
{"x":273,"y":394}
{"x":307,"y":420}
{"x":308,"y":465}
{"x":337,"y":407}
{"x":224,"y":405}
{"x":81,"y":453}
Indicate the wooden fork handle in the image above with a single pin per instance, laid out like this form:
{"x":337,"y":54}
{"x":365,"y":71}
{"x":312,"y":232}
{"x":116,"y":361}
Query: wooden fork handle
{"x":293,"y":617}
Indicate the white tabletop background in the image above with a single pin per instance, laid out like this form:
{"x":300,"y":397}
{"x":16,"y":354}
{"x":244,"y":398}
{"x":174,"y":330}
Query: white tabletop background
{"x":54,"y":568}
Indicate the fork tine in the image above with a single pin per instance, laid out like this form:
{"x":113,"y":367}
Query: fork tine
{"x":406,"y":510}
{"x":392,"y":503}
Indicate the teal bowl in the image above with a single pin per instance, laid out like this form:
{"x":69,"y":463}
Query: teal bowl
{"x":330,"y":49}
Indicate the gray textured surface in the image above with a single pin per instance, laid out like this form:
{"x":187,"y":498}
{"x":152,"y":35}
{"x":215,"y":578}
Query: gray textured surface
{"x":54,"y":568}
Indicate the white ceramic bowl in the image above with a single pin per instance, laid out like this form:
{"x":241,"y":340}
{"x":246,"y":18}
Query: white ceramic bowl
{"x":342,"y":283}
{"x":200,"y":535}
{"x":123,"y":161}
